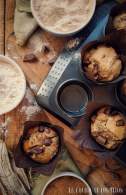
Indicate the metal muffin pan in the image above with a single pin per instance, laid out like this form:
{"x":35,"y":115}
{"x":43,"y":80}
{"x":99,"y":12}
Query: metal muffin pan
{"x":73,"y":97}
{"x":50,"y":99}
{"x":104,"y":93}
{"x":96,"y":94}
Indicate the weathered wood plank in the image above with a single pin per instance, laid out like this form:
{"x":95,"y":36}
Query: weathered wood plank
{"x":9,"y":16}
{"x":2,"y":26}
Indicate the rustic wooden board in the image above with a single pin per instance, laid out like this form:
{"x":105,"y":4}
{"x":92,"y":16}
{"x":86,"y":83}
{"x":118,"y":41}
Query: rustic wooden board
{"x":35,"y":74}
{"x":2,"y":34}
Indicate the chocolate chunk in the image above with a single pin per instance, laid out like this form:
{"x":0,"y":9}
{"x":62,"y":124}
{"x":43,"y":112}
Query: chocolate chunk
{"x":46,"y":48}
{"x":52,"y":61}
{"x":30,"y":58}
{"x":93,"y":118}
{"x":36,"y":150}
{"x":47,"y":130}
{"x":107,"y":110}
{"x":101,"y":140}
{"x":41,"y":129}
{"x":47,"y":142}
{"x":95,"y":71}
{"x":120,"y":123}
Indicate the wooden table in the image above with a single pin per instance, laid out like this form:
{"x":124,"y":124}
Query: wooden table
{"x":99,"y":177}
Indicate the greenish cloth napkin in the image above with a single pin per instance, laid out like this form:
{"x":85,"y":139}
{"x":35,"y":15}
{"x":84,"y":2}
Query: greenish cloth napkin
{"x":64,"y":164}
{"x":23,"y":5}
{"x":25,"y":24}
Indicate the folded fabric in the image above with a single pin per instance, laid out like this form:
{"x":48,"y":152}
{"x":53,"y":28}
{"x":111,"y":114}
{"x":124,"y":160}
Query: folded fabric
{"x":24,"y":23}
{"x":23,"y":5}
{"x":65,"y":164}
{"x":23,"y":30}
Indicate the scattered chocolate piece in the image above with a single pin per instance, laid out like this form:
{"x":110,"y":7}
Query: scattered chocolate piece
{"x":47,"y":142}
{"x":120,"y":123}
{"x":52,"y":61}
{"x":73,"y":43}
{"x":30,"y":58}
{"x":46,"y":48}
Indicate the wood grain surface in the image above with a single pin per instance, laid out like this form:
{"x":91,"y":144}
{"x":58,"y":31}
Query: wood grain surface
{"x":35,"y":74}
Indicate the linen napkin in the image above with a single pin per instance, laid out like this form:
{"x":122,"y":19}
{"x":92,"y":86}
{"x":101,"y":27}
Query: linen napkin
{"x":65,"y":164}
{"x":24,"y":22}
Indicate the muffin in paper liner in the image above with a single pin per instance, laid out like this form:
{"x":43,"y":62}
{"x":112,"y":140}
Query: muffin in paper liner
{"x":109,"y":41}
{"x":88,"y":141}
{"x":22,"y":160}
{"x":116,"y":11}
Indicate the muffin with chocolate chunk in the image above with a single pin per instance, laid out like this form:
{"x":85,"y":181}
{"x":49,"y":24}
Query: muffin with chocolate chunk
{"x":119,"y":22}
{"x":108,"y":127}
{"x":102,"y":64}
{"x":41,"y":144}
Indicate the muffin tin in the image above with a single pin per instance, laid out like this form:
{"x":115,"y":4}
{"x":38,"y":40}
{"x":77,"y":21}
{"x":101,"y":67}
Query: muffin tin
{"x":74,"y":83}
{"x":22,"y":160}
{"x":66,"y":73}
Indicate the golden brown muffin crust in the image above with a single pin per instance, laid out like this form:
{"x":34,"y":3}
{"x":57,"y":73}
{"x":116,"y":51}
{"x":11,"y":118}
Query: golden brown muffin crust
{"x":41,"y":144}
{"x":108,"y":127}
{"x":102,"y":63}
{"x":119,"y":22}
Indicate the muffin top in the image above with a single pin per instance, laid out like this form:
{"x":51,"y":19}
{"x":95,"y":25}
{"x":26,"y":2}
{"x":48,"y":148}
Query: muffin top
{"x":102,"y":63}
{"x":41,"y":144}
{"x":108,"y":127}
{"x":119,"y":22}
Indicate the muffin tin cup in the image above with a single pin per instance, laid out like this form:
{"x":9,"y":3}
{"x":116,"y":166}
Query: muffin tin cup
{"x":23,"y":161}
{"x":116,"y":10}
{"x":73,"y":96}
{"x":90,"y":142}
{"x":121,"y":99}
{"x":116,"y":41}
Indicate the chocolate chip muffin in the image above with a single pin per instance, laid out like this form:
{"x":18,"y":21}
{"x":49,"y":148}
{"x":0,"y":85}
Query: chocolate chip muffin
{"x":108,"y":127}
{"x":41,"y":144}
{"x":119,"y":22}
{"x":102,"y":64}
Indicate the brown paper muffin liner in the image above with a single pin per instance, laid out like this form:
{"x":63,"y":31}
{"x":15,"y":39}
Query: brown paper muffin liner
{"x":23,"y":161}
{"x":88,"y":141}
